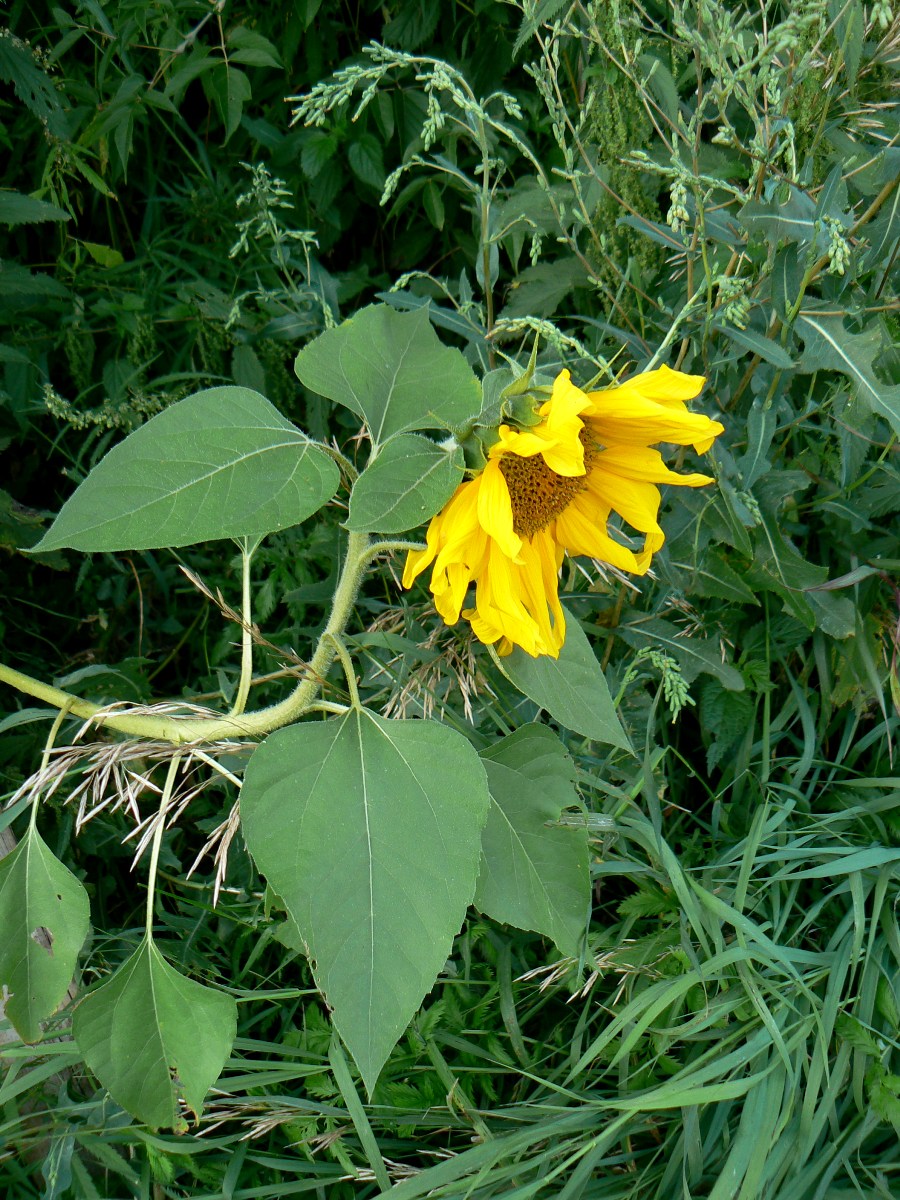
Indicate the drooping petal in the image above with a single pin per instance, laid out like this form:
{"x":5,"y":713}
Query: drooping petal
{"x":637,"y":502}
{"x":582,"y":530}
{"x":651,"y":408}
{"x":640,"y":462}
{"x":495,"y":514}
{"x":663,"y":385}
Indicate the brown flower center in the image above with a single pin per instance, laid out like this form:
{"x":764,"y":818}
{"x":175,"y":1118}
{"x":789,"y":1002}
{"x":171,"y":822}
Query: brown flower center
{"x":538,"y":494}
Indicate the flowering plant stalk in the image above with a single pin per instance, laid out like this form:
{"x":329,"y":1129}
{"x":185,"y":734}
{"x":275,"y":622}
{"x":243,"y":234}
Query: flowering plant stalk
{"x":511,"y":473}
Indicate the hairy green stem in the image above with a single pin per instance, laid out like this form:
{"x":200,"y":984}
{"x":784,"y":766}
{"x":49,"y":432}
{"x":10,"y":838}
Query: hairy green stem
{"x":180,"y":730}
{"x":349,"y":673}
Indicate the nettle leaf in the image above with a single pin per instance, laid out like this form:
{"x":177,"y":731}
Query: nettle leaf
{"x":44,"y":916}
{"x":391,"y":370}
{"x":404,"y":485}
{"x":534,"y":873}
{"x":153,"y":1037}
{"x":19,"y":209}
{"x":572,"y":688}
{"x":369,"y":831}
{"x":223,"y":463}
{"x":830,"y":346}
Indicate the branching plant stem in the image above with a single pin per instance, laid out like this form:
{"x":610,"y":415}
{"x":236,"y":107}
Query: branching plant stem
{"x":180,"y":730}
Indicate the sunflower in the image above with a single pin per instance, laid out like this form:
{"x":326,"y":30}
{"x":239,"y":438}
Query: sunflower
{"x":548,"y":490}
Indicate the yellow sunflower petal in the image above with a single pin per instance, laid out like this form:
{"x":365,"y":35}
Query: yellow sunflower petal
{"x":495,"y":514}
{"x":640,"y":462}
{"x":665,"y":386}
{"x":499,"y":597}
{"x":557,"y":436}
{"x":632,"y":420}
{"x":651,"y":408}
{"x":635,"y":501}
{"x":582,"y":530}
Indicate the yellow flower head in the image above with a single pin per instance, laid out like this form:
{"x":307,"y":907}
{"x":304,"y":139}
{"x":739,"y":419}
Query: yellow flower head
{"x":548,"y":491}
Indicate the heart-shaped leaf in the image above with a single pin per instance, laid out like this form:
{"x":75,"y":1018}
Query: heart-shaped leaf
{"x":404,"y":485}
{"x":572,"y":688}
{"x":391,"y":370}
{"x":534,"y":870}
{"x":153,"y":1037}
{"x":369,"y":831}
{"x":223,"y":463}
{"x":44,"y":918}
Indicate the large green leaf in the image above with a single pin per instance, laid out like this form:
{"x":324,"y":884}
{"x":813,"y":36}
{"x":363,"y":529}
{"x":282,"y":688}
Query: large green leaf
{"x":44,"y":918}
{"x":830,"y":346}
{"x":572,"y":688}
{"x":222,"y":463}
{"x":369,"y":831}
{"x":403,"y":486}
{"x":534,"y":873}
{"x":391,"y":370}
{"x":153,"y":1037}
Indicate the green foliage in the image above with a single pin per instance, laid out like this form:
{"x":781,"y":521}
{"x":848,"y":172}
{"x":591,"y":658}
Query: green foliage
{"x":405,"y":485}
{"x":154,"y":1038}
{"x":529,"y":877}
{"x":351,"y":824}
{"x":44,"y":917}
{"x":219,"y":464}
{"x":391,"y":370}
{"x":572,"y":688}
{"x":693,"y":183}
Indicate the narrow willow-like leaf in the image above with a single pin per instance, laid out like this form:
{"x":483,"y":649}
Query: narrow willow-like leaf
{"x":404,"y":486}
{"x":534,"y":871}
{"x":572,"y":688}
{"x":369,"y":830}
{"x":223,"y":463}
{"x":391,"y":370}
{"x":153,"y":1037}
{"x":44,"y":919}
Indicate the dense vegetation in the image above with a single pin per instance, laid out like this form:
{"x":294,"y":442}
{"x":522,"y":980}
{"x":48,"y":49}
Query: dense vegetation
{"x":697,"y":183}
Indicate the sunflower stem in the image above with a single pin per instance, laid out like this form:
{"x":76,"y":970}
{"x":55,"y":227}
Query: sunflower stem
{"x":204,"y":729}
{"x":347,"y":663}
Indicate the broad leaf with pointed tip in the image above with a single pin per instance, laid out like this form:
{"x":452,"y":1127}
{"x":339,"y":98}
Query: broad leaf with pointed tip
{"x":369,"y":831}
{"x":223,"y":463}
{"x":404,"y":485}
{"x":44,"y":919}
{"x":572,"y":688}
{"x":534,"y":870}
{"x":390,"y":369}
{"x":153,"y":1037}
